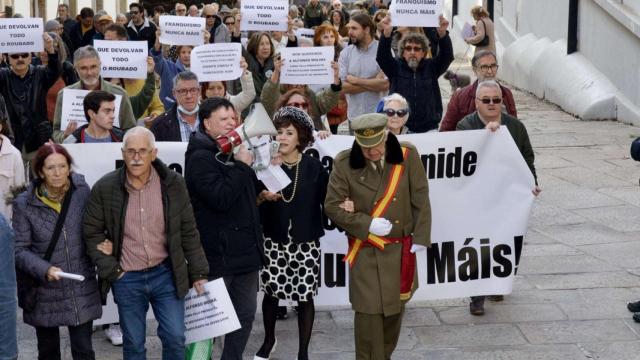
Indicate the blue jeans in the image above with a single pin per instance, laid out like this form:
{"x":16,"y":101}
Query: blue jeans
{"x":8,"y":344}
{"x":133,"y":293}
{"x":243,"y":289}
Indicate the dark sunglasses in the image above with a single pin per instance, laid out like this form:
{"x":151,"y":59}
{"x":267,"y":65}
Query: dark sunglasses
{"x":495,"y":100}
{"x":134,"y":12}
{"x":298,"y":105}
{"x":18,"y":56}
{"x":209,"y":16}
{"x":413,"y":48}
{"x":230,"y":23}
{"x":399,"y":112}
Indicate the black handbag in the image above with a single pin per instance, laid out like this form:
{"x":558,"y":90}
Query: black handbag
{"x":27,"y":284}
{"x":485,"y":39}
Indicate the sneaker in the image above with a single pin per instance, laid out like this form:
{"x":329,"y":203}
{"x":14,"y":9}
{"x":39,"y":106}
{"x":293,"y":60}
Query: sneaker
{"x":634,"y":306}
{"x":476,"y":307}
{"x":495,"y":298}
{"x":114,"y":334}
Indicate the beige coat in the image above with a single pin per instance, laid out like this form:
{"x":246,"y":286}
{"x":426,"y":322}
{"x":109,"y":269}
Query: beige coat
{"x":374,"y":282}
{"x":484,"y":26}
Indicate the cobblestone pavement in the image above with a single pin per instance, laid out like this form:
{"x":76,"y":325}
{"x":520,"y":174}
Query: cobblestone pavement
{"x":579,"y":268}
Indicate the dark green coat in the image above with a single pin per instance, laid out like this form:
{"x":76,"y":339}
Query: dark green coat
{"x":374,"y":279}
{"x":104,"y":219}
{"x":517,"y":130}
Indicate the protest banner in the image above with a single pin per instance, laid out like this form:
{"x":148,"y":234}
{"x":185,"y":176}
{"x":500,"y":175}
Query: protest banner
{"x":217,"y":62}
{"x":181,"y":30}
{"x":305,"y":33}
{"x":73,"y":110}
{"x":477,"y":176}
{"x":23,"y":35}
{"x":260,"y":16}
{"x":307,"y":65}
{"x":209,"y":315}
{"x":422,"y":13}
{"x":122,"y":59}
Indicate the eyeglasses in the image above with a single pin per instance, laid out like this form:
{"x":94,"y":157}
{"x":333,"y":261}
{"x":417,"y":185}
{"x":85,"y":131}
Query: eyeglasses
{"x":399,"y":112}
{"x":209,"y":16}
{"x":192,"y":91}
{"x":230,"y":23}
{"x":495,"y":100}
{"x":492,"y":67}
{"x":18,"y":56}
{"x":298,"y":105}
{"x":134,"y":12}
{"x":142,"y":152}
{"x":181,"y":10}
{"x":413,"y":48}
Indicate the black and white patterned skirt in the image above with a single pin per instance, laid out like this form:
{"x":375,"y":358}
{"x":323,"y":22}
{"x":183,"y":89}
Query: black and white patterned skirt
{"x":292,"y":270}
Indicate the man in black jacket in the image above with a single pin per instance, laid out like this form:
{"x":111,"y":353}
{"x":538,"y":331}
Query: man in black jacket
{"x":24,"y":88}
{"x":179,"y":122}
{"x":414,"y":76}
{"x":82,"y":32}
{"x":223,"y":190}
{"x":140,"y":28}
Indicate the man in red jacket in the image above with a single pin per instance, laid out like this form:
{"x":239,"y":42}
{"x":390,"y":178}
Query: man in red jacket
{"x":462,"y":103}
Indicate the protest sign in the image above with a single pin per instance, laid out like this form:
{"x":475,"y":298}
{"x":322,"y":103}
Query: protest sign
{"x":217,"y":62}
{"x":181,"y":30}
{"x":477,"y":176}
{"x":73,"y":110}
{"x":305,"y":33}
{"x":122,"y":59}
{"x":467,"y":31}
{"x":307,"y":65}
{"x":23,"y":35}
{"x":264,"y":16}
{"x":209,"y":315}
{"x":416,"y":12}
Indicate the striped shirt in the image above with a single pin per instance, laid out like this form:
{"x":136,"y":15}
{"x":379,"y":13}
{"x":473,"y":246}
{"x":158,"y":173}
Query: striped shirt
{"x":185,"y":128}
{"x":144,"y":243}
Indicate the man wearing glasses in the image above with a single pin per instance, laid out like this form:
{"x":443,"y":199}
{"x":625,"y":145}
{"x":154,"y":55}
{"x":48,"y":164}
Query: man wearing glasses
{"x":489,"y":115}
{"x":141,"y":234}
{"x":179,"y":122}
{"x":463,"y":103}
{"x":24,"y":88}
{"x":140,"y":28}
{"x":415,"y":76}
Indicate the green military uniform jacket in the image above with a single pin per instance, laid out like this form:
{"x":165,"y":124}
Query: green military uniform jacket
{"x":127,"y":119}
{"x":374,"y":282}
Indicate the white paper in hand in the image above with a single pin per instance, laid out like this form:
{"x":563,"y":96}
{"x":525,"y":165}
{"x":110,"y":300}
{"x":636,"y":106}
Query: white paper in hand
{"x":209,"y":315}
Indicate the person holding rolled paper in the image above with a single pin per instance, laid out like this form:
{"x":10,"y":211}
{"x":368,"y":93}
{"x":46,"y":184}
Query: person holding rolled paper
{"x":378,"y":193}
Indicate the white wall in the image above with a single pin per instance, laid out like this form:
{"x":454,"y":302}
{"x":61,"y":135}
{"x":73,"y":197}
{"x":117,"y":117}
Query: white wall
{"x":633,"y":5}
{"x":544,"y":18}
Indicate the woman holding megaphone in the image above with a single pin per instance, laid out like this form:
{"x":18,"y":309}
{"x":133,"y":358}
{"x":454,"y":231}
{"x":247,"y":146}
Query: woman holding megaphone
{"x":291,"y":224}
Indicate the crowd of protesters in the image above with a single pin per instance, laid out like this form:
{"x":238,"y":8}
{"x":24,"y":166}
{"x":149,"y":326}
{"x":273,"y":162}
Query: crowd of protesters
{"x":149,"y":235}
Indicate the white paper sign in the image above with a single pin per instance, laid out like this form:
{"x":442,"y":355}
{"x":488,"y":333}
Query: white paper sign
{"x":21,"y":35}
{"x":181,"y":30}
{"x":306,"y":33}
{"x":122,"y":59}
{"x":467,"y":31}
{"x":209,"y":315}
{"x":73,"y":110}
{"x":307,"y":65}
{"x":217,"y":62}
{"x":423,"y":13}
{"x":264,"y":15}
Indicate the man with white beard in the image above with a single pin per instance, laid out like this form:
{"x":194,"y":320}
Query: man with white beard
{"x":415,"y":76}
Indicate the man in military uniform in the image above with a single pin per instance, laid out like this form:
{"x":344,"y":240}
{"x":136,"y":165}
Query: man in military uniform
{"x":378,"y":193}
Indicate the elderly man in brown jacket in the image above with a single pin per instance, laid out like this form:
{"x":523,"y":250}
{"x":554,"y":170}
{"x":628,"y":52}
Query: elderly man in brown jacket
{"x":378,"y":193}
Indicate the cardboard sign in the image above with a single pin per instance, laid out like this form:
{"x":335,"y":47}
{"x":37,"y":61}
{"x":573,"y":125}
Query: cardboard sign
{"x":209,"y":315}
{"x":181,"y":30}
{"x":21,"y":35}
{"x":217,"y":62}
{"x":73,"y":110}
{"x":264,"y":16}
{"x":307,"y":65}
{"x":422,"y":13}
{"x":122,"y":59}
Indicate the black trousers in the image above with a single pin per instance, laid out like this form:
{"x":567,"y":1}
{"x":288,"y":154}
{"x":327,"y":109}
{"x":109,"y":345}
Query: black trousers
{"x":80,"y":337}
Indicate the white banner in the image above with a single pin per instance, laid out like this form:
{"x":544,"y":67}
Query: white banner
{"x":217,"y":62}
{"x":306,"y":33}
{"x":264,"y":16}
{"x":122,"y":59}
{"x":480,"y":193}
{"x":22,"y":35}
{"x":73,"y":110}
{"x":209,"y":315}
{"x":422,"y":13}
{"x":307,"y":65}
{"x":181,"y":30}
